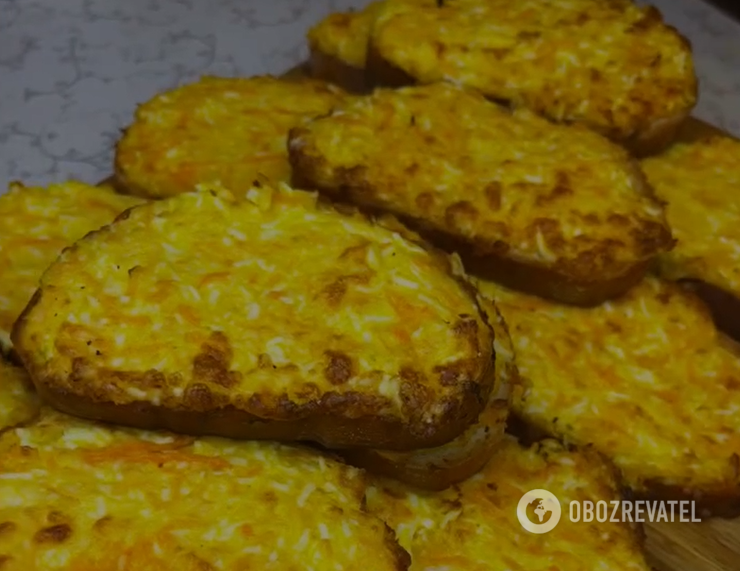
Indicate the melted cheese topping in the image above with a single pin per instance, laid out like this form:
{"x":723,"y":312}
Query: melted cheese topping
{"x":502,"y":182}
{"x":644,"y":379}
{"x":273,"y":296}
{"x":464,"y":454}
{"x":83,"y":497}
{"x":217,"y":131}
{"x":474,"y":526}
{"x":18,"y":401}
{"x":700,"y":183}
{"x":613,"y":65}
{"x":36,"y":224}
{"x":344,"y":35}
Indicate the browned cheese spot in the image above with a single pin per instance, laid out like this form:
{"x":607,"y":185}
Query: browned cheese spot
{"x":7,"y":527}
{"x":415,"y":398}
{"x":102,"y":523}
{"x":198,"y":397}
{"x":493,"y":195}
{"x":212,"y":364}
{"x":460,"y":214}
{"x":338,"y":369}
{"x":53,"y":534}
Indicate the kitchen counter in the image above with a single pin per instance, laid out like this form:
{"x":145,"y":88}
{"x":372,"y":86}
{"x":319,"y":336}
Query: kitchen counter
{"x":72,"y":71}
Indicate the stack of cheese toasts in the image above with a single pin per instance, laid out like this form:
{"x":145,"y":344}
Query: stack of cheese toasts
{"x":347,"y":321}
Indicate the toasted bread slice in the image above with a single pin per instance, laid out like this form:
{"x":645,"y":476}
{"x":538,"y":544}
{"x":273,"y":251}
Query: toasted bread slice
{"x":36,"y":224}
{"x":270,"y":317}
{"x":474,"y":527}
{"x":700,"y":181}
{"x":613,"y":66}
{"x":77,"y":495}
{"x":645,"y":380}
{"x":554,"y":210}
{"x":18,"y":400}
{"x":217,"y":130}
{"x":439,"y":468}
{"x":338,"y":48}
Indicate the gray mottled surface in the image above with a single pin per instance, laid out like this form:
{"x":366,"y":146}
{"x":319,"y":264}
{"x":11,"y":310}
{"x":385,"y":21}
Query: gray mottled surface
{"x":72,"y":71}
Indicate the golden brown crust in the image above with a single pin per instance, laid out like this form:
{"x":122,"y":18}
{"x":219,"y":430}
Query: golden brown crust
{"x":549,"y":232}
{"x":317,"y":385}
{"x":323,"y":421}
{"x":656,"y":137}
{"x":438,"y":468}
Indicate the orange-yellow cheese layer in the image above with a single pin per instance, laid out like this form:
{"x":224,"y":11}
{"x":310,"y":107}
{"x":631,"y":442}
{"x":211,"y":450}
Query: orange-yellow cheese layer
{"x":612,"y":65}
{"x":36,"y":224}
{"x":79,"y":496}
{"x":217,"y":131}
{"x":645,"y":379}
{"x":344,"y":35}
{"x":18,"y":401}
{"x":700,"y":183}
{"x":474,"y":527}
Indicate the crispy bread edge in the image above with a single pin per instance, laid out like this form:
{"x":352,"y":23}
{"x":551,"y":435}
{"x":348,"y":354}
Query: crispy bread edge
{"x":318,"y":420}
{"x":586,"y":290}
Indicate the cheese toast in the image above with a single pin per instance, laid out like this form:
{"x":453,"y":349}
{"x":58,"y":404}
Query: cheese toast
{"x":474,"y":527}
{"x":439,"y":468}
{"x":36,"y":224}
{"x":613,"y":66}
{"x":338,"y":48}
{"x":554,"y":210}
{"x":75,"y":495}
{"x":274,"y":316}
{"x":216,"y":130}
{"x":645,"y":380}
{"x":18,"y":401}
{"x":699,"y":181}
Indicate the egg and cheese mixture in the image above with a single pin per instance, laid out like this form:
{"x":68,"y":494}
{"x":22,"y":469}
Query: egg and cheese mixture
{"x":474,"y":527}
{"x":217,"y":130}
{"x":615,"y":66}
{"x":276,"y":296}
{"x":36,"y":224}
{"x":645,"y":379}
{"x":344,"y":35}
{"x":509,"y":184}
{"x":700,"y":182}
{"x":18,"y":401}
{"x":80,"y":496}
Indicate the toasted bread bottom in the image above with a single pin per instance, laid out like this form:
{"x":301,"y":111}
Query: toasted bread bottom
{"x":330,"y":430}
{"x":333,"y":70}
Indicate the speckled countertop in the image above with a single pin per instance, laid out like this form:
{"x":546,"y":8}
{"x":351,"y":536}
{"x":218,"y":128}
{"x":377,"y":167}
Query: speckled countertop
{"x":72,"y":71}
